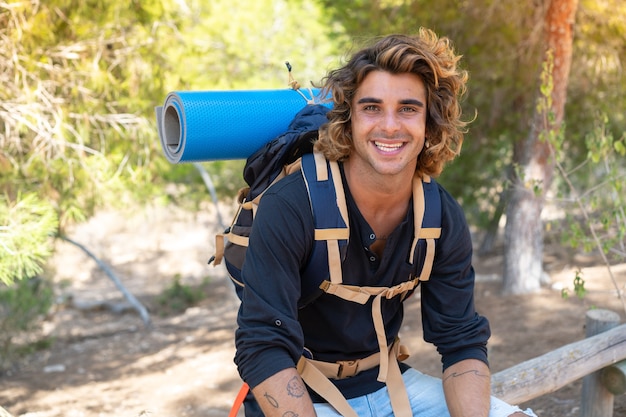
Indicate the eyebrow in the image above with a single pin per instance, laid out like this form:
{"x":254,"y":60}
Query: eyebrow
{"x":412,"y":101}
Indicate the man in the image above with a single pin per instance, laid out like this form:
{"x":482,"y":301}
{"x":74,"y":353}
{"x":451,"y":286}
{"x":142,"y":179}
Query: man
{"x":395,"y":117}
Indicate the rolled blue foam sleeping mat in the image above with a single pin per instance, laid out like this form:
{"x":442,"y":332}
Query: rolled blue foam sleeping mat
{"x":219,"y":125}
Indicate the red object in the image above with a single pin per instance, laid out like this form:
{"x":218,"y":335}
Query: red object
{"x":239,"y":400}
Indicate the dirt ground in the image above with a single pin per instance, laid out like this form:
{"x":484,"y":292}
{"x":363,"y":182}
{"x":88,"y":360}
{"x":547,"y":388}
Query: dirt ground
{"x":104,"y":362}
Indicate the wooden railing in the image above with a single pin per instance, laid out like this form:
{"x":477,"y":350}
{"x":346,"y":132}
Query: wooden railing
{"x":599,"y":359}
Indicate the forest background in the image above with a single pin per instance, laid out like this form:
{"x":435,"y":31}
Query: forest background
{"x":80,"y":80}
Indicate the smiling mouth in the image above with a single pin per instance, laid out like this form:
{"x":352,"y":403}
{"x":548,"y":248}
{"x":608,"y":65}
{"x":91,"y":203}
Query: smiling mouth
{"x":388,"y":147}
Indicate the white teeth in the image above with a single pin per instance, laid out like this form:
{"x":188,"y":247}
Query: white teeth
{"x":388,"y":147}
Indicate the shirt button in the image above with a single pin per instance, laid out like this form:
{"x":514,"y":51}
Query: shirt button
{"x":372,"y":258}
{"x":372,"y":236}
{"x":278,"y":323}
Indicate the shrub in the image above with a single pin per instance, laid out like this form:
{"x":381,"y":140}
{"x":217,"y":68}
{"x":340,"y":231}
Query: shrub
{"x":178,"y":297}
{"x":23,"y":307}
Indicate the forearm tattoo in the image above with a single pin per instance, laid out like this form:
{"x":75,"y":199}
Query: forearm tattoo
{"x":295,"y":387}
{"x":271,"y":400}
{"x":472,"y":371}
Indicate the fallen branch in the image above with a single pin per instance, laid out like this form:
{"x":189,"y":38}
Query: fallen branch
{"x":134,"y":302}
{"x":556,"y":369}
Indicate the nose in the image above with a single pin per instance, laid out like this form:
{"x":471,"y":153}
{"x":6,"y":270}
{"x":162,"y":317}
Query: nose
{"x":390,"y":122}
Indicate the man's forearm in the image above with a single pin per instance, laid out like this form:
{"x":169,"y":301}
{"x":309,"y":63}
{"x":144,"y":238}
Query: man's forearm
{"x":284,"y":395}
{"x":467,"y":387}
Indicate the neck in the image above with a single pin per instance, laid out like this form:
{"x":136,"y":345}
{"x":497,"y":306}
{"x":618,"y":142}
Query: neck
{"x":383,"y":204}
{"x":378,"y":192}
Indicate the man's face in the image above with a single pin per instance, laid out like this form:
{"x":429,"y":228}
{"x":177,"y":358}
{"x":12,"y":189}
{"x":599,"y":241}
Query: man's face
{"x":388,"y":123}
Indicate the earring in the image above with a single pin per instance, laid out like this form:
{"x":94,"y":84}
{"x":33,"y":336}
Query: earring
{"x":426,"y":144}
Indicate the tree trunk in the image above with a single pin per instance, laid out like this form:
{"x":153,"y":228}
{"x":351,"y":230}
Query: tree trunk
{"x":523,"y":253}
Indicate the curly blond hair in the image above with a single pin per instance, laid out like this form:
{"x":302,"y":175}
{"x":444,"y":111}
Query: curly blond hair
{"x":426,"y":55}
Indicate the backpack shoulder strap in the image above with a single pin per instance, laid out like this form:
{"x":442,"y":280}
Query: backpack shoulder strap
{"x":427,"y":223}
{"x":330,"y":216}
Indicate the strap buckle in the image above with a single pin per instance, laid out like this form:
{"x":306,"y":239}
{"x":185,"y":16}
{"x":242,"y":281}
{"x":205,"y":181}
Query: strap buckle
{"x":347,"y":369}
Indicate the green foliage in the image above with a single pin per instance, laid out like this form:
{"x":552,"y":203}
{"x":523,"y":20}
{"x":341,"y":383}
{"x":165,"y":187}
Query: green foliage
{"x":80,"y":80}
{"x":77,"y":97}
{"x":501,"y":47}
{"x":502,"y":44}
{"x":22,"y":307}
{"x":178,"y":297}
{"x":602,"y":177}
{"x":26,"y":227}
{"x":597,"y":79}
{"x":599,"y":223}
{"x":244,"y":45}
{"x":579,"y":286}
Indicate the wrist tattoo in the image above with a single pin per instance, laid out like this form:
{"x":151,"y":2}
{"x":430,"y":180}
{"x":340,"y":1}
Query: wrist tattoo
{"x":472,"y":371}
{"x":295,"y":387}
{"x":271,"y":400}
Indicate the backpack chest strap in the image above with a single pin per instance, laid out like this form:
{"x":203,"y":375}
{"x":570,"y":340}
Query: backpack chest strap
{"x":361,"y":295}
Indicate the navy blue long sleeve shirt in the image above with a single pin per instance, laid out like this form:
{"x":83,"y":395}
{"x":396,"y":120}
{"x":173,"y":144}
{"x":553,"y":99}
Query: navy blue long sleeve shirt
{"x":273,"y":332}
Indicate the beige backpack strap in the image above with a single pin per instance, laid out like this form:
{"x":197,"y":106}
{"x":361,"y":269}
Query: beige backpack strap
{"x":430,"y":256}
{"x":320,"y":166}
{"x":333,"y":236}
{"x":418,"y":213}
{"x":316,"y":375}
{"x":400,"y":403}
{"x":319,"y":383}
{"x":428,"y":234}
{"x":246,"y":205}
{"x":361,"y":295}
{"x":219,"y":249}
{"x":221,"y":237}
{"x":389,"y":370}
{"x":379,"y":327}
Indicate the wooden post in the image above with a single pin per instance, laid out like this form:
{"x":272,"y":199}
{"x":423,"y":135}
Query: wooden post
{"x":614,"y":378}
{"x":597,"y":400}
